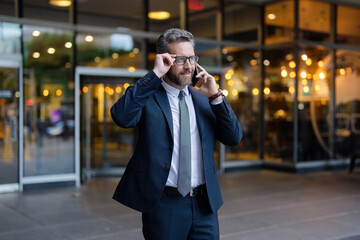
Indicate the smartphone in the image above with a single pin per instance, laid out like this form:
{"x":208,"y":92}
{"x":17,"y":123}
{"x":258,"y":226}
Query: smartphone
{"x":195,"y":80}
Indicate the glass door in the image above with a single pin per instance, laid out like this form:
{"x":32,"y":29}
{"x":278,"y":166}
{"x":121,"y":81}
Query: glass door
{"x":105,"y":147}
{"x":9,"y":127}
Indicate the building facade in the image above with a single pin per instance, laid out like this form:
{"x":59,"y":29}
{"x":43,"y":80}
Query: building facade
{"x":290,"y":69}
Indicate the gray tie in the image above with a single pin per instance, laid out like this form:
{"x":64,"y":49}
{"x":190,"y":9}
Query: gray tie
{"x":184,"y":178}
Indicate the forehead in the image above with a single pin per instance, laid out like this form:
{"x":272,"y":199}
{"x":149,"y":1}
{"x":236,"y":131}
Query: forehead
{"x":182,"y":49}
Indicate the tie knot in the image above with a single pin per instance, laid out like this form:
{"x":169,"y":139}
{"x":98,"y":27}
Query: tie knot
{"x":181,"y":94}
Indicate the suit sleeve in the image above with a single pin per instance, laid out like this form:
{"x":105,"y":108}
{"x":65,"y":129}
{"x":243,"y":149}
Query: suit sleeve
{"x":126,"y":112}
{"x":228,"y":129}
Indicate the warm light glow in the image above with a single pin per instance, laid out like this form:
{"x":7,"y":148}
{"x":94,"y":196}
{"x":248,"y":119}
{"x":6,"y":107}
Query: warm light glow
{"x":58,"y":92}
{"x":118,"y":89}
{"x":267,"y":91}
{"x":245,"y":79}
{"x":291,"y":90}
{"x":227,"y":76}
{"x":304,"y":82}
{"x":231,"y":72}
{"x":111,"y":92}
{"x":306,"y":89}
{"x":266,"y":63}
{"x":323,"y":101}
{"x":309,"y":76}
{"x":349,"y":69}
{"x":97,"y":59}
{"x":36,"y":33}
{"x":85,"y":89}
{"x":292,"y":74}
{"x":46,"y":92}
{"x":321,"y":75}
{"x":159,"y":15}
{"x":115,"y":55}
{"x":231,"y":83}
{"x":317,"y":87}
{"x":224,"y":51}
{"x":342,"y":71}
{"x":304,"y":57}
{"x":303,"y":74}
{"x":126,"y":85}
{"x":136,"y":50}
{"x":320,"y":63}
{"x":89,"y":38}
{"x":234,"y":92}
{"x":255,"y":91}
{"x":218,"y":85}
{"x":106,"y":89}
{"x":60,"y":3}
{"x":131,"y":55}
{"x":36,"y":55}
{"x":271,"y":16}
{"x":131,"y":69}
{"x":308,"y":62}
{"x":68,"y":44}
{"x":225,"y":92}
{"x":284,"y":73}
{"x":292,"y":64}
{"x":216,"y":77}
{"x":253,"y":62}
{"x":51,"y":50}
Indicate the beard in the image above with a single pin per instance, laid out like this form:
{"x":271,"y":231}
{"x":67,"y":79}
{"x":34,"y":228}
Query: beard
{"x":179,"y":79}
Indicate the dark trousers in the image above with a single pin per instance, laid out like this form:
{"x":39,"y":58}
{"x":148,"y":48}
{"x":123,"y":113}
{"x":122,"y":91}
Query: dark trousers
{"x":181,"y":218}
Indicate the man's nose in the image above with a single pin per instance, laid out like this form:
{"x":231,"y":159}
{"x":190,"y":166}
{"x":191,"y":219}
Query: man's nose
{"x":187,"y":63}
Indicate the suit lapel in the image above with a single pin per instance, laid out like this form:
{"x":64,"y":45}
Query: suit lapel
{"x":163,"y":101}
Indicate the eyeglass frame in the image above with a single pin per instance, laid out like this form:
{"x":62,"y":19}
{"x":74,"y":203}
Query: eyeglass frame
{"x":195,"y":57}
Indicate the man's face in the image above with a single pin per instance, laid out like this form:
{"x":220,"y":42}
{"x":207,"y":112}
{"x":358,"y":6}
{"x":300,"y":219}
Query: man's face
{"x":181,"y":75}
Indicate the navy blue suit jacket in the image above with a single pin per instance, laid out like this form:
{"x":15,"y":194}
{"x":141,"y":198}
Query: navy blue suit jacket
{"x":146,"y":106}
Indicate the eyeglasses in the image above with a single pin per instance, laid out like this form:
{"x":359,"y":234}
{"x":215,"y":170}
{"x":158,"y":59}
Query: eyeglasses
{"x":181,"y":60}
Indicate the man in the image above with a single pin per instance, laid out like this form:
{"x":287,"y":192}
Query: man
{"x":171,"y":177}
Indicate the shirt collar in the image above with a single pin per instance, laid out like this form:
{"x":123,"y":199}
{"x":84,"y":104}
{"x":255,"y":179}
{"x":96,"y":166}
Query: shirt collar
{"x":174,"y":91}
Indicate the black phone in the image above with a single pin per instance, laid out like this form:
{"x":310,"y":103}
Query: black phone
{"x":195,"y":80}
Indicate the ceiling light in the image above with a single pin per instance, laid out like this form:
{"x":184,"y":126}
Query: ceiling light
{"x":159,"y":15}
{"x":36,"y":33}
{"x":271,"y":16}
{"x":60,"y":3}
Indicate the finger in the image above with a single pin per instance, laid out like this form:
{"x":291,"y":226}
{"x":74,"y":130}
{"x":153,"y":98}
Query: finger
{"x":197,"y":89}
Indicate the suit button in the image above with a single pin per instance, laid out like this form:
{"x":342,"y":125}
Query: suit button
{"x":167,"y":168}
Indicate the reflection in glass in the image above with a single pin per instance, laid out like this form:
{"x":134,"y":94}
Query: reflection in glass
{"x":48,"y":102}
{"x":347,"y":118}
{"x":279,"y":21}
{"x":314,"y":87}
{"x":241,"y":85}
{"x":170,"y":7}
{"x":279,"y":100}
{"x":104,"y":144}
{"x":9,"y":125}
{"x":202,"y":15}
{"x":10,"y":38}
{"x":112,"y":51}
{"x":347,"y":28}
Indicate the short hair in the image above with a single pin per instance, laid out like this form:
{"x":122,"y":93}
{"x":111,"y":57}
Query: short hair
{"x":173,"y":35}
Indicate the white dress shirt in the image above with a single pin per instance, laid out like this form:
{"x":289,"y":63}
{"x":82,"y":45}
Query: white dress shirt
{"x":197,"y":169}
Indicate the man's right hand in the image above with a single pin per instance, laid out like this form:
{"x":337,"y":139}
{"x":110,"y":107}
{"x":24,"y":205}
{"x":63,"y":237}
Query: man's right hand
{"x":163,"y":62}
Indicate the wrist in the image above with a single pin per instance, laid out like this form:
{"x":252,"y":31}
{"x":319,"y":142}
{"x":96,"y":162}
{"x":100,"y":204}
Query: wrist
{"x":216,"y":97}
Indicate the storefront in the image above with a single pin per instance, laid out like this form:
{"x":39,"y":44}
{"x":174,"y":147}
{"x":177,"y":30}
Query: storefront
{"x":290,"y":70}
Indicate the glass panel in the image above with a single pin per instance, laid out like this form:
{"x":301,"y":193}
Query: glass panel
{"x":279,"y":22}
{"x":242,"y":86}
{"x":108,"y":13}
{"x":314,"y":87}
{"x":208,"y":53}
{"x":10,"y":34}
{"x":171,"y":7}
{"x":279,"y":100}
{"x":9,"y":116}
{"x":314,"y":20}
{"x":7,"y":7}
{"x":202,"y":13}
{"x":241,"y":22}
{"x":48,"y":102}
{"x":114,"y":50}
{"x":348,"y":28}
{"x":104,"y":144}
{"x":43,"y":10}
{"x":347,"y":118}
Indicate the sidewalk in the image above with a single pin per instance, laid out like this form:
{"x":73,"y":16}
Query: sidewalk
{"x":259,"y":204}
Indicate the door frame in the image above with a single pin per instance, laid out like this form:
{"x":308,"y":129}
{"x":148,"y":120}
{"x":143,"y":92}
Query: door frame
{"x":15,"y":61}
{"x":93,"y":71}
